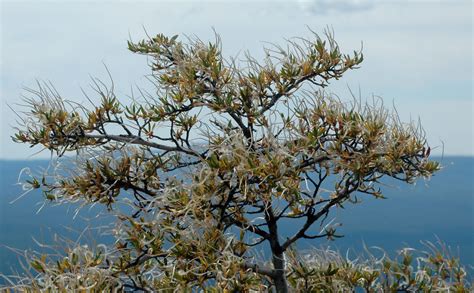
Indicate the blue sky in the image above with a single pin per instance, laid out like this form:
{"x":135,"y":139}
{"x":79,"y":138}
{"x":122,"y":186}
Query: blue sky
{"x":418,"y":54}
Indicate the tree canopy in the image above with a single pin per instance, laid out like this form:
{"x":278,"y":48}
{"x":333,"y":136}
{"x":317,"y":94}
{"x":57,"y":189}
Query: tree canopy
{"x":214,"y":158}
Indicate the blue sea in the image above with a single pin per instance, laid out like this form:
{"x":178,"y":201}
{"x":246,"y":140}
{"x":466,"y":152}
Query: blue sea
{"x":441,"y":208}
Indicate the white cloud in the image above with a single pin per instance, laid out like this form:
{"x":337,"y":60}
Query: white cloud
{"x":327,"y":6}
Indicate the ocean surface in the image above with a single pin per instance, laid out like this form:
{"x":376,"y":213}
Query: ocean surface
{"x":441,"y":208}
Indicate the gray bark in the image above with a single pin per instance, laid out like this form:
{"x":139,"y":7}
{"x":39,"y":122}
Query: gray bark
{"x":279,"y":280}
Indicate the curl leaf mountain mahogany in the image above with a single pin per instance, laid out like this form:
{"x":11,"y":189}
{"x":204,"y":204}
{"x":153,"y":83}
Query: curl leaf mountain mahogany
{"x":254,"y":144}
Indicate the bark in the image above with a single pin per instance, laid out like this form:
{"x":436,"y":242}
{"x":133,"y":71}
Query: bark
{"x":279,"y":280}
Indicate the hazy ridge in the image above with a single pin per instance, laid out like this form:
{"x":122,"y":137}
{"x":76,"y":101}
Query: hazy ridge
{"x":441,"y":207}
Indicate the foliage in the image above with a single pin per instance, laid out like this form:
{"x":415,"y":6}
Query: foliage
{"x":216,"y":157}
{"x":315,"y":270}
{"x":433,"y":270}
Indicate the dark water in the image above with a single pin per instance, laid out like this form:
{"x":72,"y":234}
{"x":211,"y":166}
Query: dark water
{"x":440,"y":208}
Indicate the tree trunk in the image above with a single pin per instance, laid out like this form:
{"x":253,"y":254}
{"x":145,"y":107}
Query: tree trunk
{"x":279,"y":280}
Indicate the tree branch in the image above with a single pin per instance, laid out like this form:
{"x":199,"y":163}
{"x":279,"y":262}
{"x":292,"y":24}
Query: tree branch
{"x":259,"y":269}
{"x":132,"y":139}
{"x":314,"y":217}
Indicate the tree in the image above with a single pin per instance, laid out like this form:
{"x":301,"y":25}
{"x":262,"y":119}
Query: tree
{"x":215,"y":159}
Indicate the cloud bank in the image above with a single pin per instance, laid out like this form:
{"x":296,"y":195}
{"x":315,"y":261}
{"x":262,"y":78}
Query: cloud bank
{"x":343,"y":6}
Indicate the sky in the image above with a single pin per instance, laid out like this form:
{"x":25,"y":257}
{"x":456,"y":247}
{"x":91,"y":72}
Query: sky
{"x":418,"y":54}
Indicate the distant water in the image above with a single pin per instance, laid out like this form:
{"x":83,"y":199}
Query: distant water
{"x":441,"y":207}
